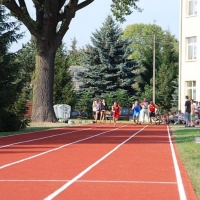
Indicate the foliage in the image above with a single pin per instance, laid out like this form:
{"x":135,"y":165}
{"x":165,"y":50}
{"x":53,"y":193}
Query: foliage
{"x":166,"y":61}
{"x":63,"y":87}
{"x":121,"y":8}
{"x":26,"y":59}
{"x":86,"y":99}
{"x":85,"y":103}
{"x":108,"y":68}
{"x":47,"y":30}
{"x":11,"y":79}
{"x":174,"y":100}
{"x":142,"y":46}
{"x":74,"y":55}
{"x":9,"y":121}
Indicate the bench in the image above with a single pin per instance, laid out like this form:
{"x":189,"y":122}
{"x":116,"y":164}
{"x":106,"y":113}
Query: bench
{"x":126,"y":114}
{"x":82,"y":117}
{"x":79,"y":115}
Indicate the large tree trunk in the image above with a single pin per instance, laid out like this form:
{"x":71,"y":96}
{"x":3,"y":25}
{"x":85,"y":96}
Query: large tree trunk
{"x":43,"y":85}
{"x":52,"y":22}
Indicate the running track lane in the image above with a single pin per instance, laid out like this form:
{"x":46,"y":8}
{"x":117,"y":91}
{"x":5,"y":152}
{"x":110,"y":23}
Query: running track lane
{"x":110,"y":165}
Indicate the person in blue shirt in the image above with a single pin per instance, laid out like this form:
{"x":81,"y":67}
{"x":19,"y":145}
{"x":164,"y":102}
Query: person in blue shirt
{"x":136,"y":112}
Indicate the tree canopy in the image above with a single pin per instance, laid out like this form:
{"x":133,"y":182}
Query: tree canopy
{"x":106,"y":61}
{"x":166,"y":60}
{"x":48,"y":29}
{"x":11,"y":77}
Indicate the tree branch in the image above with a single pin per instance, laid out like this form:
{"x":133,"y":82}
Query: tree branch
{"x":69,"y":13}
{"x":83,"y":4}
{"x":21,"y":13}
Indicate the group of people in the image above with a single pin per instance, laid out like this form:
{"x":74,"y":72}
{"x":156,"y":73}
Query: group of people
{"x":149,"y":110}
{"x":101,"y":107}
{"x":190,"y":117}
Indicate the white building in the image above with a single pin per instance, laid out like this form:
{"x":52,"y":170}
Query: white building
{"x":189,"y":51}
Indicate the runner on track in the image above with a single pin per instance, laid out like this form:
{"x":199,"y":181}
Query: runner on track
{"x":136,"y":112}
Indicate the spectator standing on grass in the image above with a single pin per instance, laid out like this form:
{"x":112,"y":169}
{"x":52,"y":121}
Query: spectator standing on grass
{"x":104,"y":108}
{"x":152,"y":110}
{"x":136,"y":112}
{"x":192,"y":113}
{"x":96,"y":109}
{"x":116,"y":110}
{"x":144,"y":104}
{"x":187,"y":111}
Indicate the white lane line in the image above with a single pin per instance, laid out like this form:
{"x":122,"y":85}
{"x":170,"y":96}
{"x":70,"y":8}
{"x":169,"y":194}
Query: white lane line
{"x":177,"y":170}
{"x":26,"y":141}
{"x":55,"y":149}
{"x":42,"y":138}
{"x":61,"y":189}
{"x":96,"y":181}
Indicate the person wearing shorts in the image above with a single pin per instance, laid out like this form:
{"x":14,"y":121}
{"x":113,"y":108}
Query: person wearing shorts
{"x":96,"y":109}
{"x":104,"y":108}
{"x":152,"y":110}
{"x":136,"y":112}
{"x":116,"y":110}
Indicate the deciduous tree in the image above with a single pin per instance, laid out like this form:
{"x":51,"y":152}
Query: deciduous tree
{"x":48,"y":29}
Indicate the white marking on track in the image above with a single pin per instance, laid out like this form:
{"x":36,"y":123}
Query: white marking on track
{"x":66,"y":185}
{"x":42,"y":138}
{"x":57,"y":148}
{"x":177,"y":170}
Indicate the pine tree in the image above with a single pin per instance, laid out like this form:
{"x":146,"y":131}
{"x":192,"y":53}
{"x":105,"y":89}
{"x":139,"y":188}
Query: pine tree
{"x":106,"y":61}
{"x":63,"y":87}
{"x":11,"y":80}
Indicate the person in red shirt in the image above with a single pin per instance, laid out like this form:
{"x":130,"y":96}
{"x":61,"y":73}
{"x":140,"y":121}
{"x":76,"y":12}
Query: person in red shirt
{"x":116,"y":110}
{"x":152,"y":110}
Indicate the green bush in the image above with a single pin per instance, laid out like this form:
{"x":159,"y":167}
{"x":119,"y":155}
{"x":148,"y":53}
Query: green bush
{"x":9,"y":121}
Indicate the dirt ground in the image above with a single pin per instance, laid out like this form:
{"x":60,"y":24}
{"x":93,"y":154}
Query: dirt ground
{"x":58,"y":124}
{"x":48,"y":124}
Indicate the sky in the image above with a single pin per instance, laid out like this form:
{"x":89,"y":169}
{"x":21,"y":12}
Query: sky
{"x":164,"y":13}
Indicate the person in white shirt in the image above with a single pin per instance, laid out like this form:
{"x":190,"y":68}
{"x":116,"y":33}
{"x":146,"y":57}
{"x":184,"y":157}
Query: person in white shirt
{"x":96,"y":106}
{"x":144,"y":104}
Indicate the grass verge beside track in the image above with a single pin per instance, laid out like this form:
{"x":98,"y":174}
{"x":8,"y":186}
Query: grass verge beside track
{"x":190,"y":152}
{"x":34,"y":127}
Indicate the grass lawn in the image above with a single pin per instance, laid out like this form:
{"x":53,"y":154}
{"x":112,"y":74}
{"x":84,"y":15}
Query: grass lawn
{"x":190,"y":152}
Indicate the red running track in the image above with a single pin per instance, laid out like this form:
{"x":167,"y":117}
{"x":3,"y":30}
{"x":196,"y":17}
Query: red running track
{"x":93,"y":162}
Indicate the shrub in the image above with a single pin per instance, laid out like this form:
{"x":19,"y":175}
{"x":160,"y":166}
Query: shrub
{"x":9,"y":122}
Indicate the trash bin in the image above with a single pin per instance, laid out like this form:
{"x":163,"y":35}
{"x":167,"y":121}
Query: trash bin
{"x":62,"y":112}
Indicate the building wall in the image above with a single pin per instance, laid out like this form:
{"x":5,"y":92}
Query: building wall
{"x":189,"y":70}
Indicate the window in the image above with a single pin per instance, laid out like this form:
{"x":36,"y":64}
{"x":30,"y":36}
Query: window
{"x":191,"y":89}
{"x":192,"y":7}
{"x":191,"y":48}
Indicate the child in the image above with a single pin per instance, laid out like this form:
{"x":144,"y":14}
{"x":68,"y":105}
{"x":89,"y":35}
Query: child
{"x":116,"y":109}
{"x":136,"y":113}
{"x":152,"y":109}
